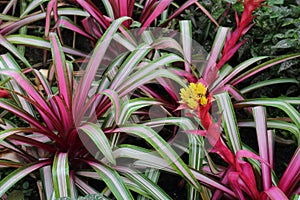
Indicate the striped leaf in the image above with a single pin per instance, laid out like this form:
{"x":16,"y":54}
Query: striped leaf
{"x":290,"y":178}
{"x":216,"y":50}
{"x":108,"y":8}
{"x":39,"y":42}
{"x":128,"y":108}
{"x":156,"y":11}
{"x":10,"y":47}
{"x":65,"y":22}
{"x":163,"y":148}
{"x":259,"y":114}
{"x":291,"y":100}
{"x":145,"y":158}
{"x":32,"y":5}
{"x":9,"y":132}
{"x":47,"y":181}
{"x":130,"y":64}
{"x":149,"y":77}
{"x":277,"y":103}
{"x":241,"y":67}
{"x":10,"y":18}
{"x":61,"y":175}
{"x":84,"y":187}
{"x":13,"y":27}
{"x":263,"y":66}
{"x":139,"y":153}
{"x":154,"y":190}
{"x":99,"y":51}
{"x":114,"y":98}
{"x":277,"y":124}
{"x":224,"y":72}
{"x":112,"y":180}
{"x":62,"y":72}
{"x":129,"y":184}
{"x":145,"y":71}
{"x":27,"y":117}
{"x":203,"y":179}
{"x":8,"y":62}
{"x":153,"y":175}
{"x":186,"y":41}
{"x":124,"y":41}
{"x":10,"y":180}
{"x":274,"y":193}
{"x":100,"y":140}
{"x":229,"y":121}
{"x":29,"y":88}
{"x":265,"y":83}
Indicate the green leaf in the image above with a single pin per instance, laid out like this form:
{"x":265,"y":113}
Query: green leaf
{"x":100,"y":140}
{"x":93,"y":65}
{"x":277,"y":103}
{"x":259,"y":114}
{"x":186,"y":41}
{"x":112,"y":180}
{"x":10,"y":180}
{"x":154,"y":190}
{"x":128,"y":108}
{"x":265,"y":83}
{"x":163,"y":148}
{"x":277,"y":124}
{"x":229,"y":121}
{"x":10,"y":47}
{"x":39,"y":42}
{"x":8,"y":62}
{"x":61,"y":176}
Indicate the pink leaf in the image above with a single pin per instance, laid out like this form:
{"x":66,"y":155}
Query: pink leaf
{"x":291,"y":175}
{"x":95,"y":12}
{"x":234,"y":181}
{"x":274,"y":193}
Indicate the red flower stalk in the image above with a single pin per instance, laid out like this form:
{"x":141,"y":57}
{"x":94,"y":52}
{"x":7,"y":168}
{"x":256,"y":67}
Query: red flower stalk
{"x":243,"y":25}
{"x":4,"y":94}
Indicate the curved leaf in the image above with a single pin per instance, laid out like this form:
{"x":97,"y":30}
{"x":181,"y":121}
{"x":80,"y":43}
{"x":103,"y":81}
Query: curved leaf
{"x":18,"y":174}
{"x":99,"y":138}
{"x":112,"y":180}
{"x":154,"y":190}
{"x":229,"y":121}
{"x":62,"y":73}
{"x":263,"y":66}
{"x":280,"y":104}
{"x":265,"y":83}
{"x":93,"y":65}
{"x":114,"y":98}
{"x":35,"y":41}
{"x":61,"y":176}
{"x":162,"y":147}
{"x":6,"y":44}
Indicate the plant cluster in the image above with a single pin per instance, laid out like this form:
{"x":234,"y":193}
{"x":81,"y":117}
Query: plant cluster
{"x":115,"y":100}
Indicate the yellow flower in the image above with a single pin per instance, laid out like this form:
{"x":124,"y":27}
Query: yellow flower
{"x":194,"y":95}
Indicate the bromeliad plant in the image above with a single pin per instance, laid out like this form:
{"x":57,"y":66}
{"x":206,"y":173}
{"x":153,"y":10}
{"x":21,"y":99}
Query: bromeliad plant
{"x":74,"y":131}
{"x":198,"y":97}
{"x":60,"y":133}
{"x":61,"y":136}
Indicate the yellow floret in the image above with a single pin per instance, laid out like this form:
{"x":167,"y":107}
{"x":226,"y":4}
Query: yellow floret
{"x":194,"y":95}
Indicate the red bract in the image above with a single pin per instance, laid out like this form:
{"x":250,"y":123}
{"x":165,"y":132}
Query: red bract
{"x":4,"y":94}
{"x":243,"y":25}
{"x":204,"y":115}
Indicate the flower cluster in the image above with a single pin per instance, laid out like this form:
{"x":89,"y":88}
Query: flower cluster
{"x":194,"y":95}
